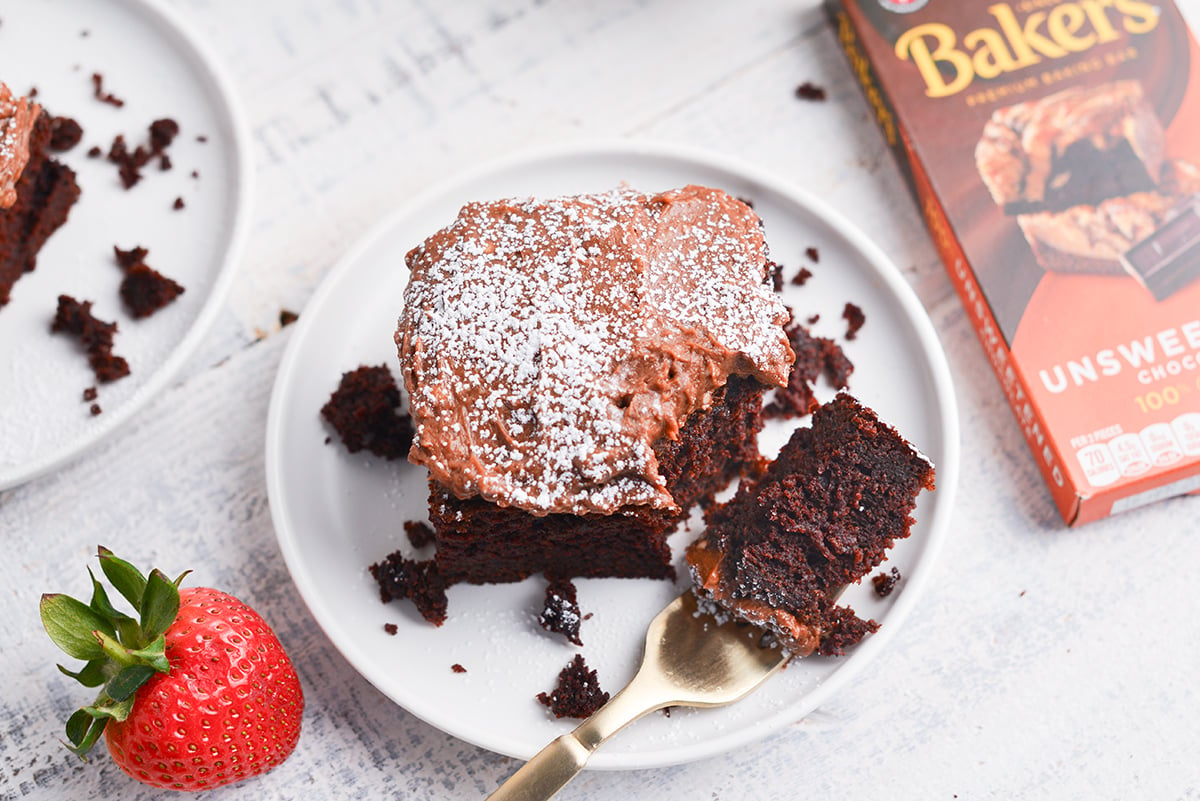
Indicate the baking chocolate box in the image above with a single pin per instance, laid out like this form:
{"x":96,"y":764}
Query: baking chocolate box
{"x":1054,"y":150}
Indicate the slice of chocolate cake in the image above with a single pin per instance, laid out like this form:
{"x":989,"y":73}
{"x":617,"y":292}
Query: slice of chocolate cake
{"x":583,"y":370}
{"x":36,"y":191}
{"x":822,"y":516}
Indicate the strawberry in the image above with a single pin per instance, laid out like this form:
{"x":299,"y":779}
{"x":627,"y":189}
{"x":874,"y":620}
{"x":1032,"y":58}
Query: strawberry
{"x":196,"y":691}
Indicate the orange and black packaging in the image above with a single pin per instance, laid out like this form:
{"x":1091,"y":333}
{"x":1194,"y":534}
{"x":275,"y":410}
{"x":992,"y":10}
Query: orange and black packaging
{"x":1054,"y":149}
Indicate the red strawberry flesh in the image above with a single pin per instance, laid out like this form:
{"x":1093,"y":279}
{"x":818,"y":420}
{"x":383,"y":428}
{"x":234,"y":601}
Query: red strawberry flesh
{"x":229,"y":709}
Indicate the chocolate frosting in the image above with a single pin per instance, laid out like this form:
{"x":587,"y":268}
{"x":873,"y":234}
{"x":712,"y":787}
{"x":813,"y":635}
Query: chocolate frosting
{"x":17,"y":116}
{"x":546,"y":345}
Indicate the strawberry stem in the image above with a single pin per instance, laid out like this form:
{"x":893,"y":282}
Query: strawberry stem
{"x":114,"y":650}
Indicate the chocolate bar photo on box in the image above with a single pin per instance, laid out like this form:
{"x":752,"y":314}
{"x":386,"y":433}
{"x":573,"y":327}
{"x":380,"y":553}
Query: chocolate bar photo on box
{"x":1169,"y":259}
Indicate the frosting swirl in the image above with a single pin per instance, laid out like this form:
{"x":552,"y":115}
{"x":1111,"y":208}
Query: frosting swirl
{"x":546,"y":345}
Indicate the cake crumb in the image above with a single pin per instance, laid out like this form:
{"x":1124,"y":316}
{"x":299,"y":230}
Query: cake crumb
{"x":364,"y":410}
{"x":845,"y":629}
{"x":813,"y":254}
{"x":128,"y":166}
{"x":854,"y":317}
{"x":95,"y":152}
{"x":801,"y":278}
{"x":815,"y":357}
{"x":560,"y":611}
{"x":65,"y":133}
{"x":162,"y":133}
{"x":287,"y":317}
{"x":128,"y":258}
{"x":178,"y":204}
{"x":144,"y":290}
{"x":95,"y":409}
{"x":90,"y":394}
{"x":814,"y":319}
{"x":457,"y":668}
{"x":577,"y":694}
{"x":884,"y":583}
{"x":419,"y":533}
{"x":391,"y":628}
{"x":399,"y":577}
{"x":75,"y":318}
{"x":101,"y":95}
{"x":130,"y":162}
{"x":810,"y":91}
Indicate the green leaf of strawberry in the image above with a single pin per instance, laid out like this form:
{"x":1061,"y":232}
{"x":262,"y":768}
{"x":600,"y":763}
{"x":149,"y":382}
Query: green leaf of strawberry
{"x":92,"y":674}
{"x":83,"y":731}
{"x":160,"y":605}
{"x":196,"y":689}
{"x":71,"y":624}
{"x":100,"y":603}
{"x":128,"y":580}
{"x":123,"y":685}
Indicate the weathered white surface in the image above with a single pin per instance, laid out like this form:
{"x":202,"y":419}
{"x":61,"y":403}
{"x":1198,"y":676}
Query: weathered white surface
{"x":1044,"y":663}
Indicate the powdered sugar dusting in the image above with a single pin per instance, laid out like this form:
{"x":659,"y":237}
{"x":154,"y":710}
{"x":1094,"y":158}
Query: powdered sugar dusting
{"x":547,"y":344}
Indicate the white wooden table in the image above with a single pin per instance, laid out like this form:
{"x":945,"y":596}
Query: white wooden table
{"x":1043,"y":662}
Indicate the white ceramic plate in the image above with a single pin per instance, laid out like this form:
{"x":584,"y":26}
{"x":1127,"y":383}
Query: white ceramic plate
{"x":336,"y":513}
{"x":148,"y":60}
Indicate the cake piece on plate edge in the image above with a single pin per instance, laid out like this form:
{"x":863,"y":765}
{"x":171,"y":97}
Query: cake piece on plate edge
{"x":36,"y":191}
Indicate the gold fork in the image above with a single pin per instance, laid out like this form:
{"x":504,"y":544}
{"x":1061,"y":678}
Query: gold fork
{"x":691,"y":659}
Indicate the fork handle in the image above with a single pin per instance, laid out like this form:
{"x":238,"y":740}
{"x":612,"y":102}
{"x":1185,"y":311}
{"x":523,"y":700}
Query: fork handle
{"x":547,"y":773}
{"x":551,"y":768}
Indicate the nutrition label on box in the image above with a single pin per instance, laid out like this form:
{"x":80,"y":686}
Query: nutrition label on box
{"x":1132,"y":454}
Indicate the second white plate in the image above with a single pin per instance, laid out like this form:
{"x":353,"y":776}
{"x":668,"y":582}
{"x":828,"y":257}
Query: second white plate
{"x":147,"y":57}
{"x":336,"y":513}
